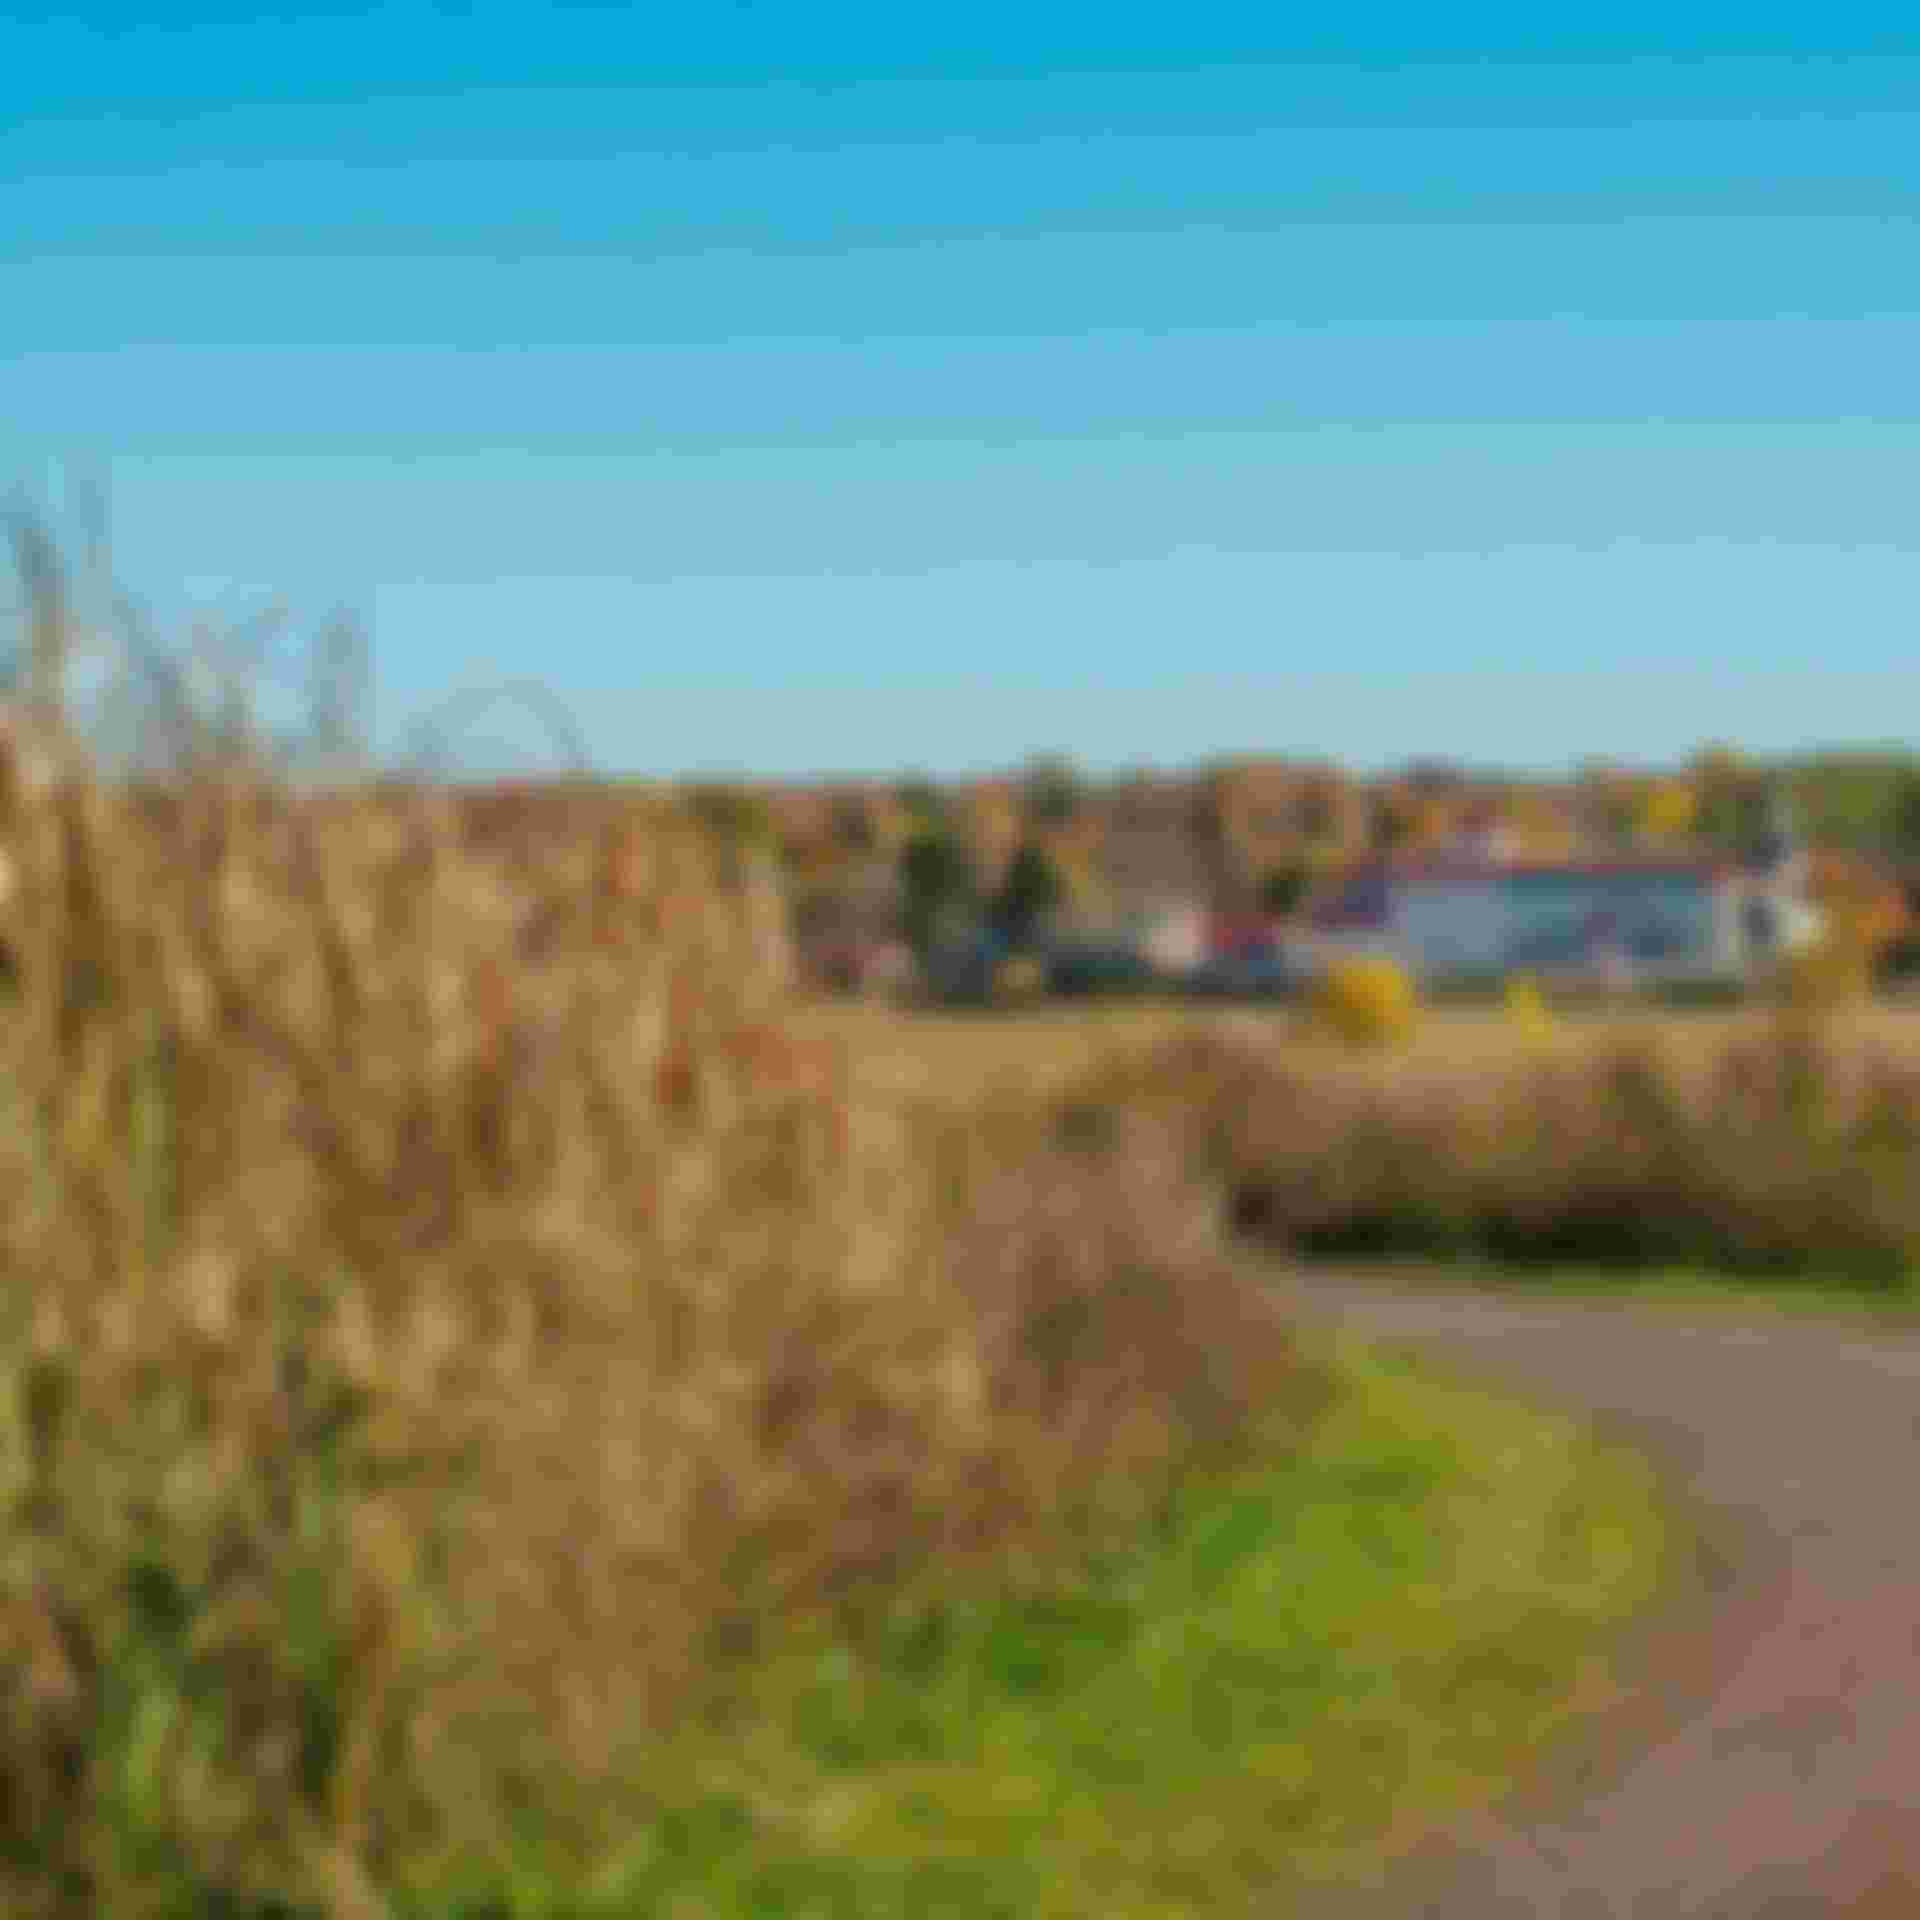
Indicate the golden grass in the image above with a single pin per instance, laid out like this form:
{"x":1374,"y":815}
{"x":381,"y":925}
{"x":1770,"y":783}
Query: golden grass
{"x":958,"y":1056}
{"x":444,"y":1282}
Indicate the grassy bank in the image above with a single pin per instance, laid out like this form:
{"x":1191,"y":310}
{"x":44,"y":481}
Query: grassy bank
{"x":1297,"y":1662}
{"x":1813,"y":1294}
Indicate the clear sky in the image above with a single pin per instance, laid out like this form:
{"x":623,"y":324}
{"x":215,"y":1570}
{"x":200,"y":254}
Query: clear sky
{"x":805,"y":387}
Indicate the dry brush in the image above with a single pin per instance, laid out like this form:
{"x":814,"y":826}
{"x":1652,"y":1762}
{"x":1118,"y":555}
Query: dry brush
{"x":443,"y":1285}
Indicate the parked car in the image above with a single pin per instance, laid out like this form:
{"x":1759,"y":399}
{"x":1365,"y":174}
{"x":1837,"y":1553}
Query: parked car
{"x":1078,"y":967}
{"x":1248,"y":972}
{"x":961,"y":969}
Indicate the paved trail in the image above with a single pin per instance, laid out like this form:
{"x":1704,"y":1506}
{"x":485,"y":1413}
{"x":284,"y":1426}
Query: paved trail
{"x":1769,"y":1766}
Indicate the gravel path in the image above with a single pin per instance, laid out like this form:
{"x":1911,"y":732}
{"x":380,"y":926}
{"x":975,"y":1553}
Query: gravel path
{"x":1767,"y":1765}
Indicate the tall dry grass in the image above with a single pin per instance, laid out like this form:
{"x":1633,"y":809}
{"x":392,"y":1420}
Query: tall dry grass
{"x":443,"y":1288}
{"x":1785,"y":1145}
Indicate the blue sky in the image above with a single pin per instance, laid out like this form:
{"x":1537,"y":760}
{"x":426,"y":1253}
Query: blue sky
{"x":803,"y":388}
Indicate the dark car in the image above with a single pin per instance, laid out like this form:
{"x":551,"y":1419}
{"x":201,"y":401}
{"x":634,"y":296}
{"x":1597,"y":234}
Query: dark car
{"x":1252,"y":972}
{"x":960,"y":971}
{"x":1080,"y":967}
{"x":1654,"y":942}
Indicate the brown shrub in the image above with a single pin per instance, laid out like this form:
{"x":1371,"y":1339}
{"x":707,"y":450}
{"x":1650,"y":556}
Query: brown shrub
{"x":1791,"y":1149}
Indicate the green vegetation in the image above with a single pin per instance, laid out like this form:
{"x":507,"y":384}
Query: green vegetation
{"x":1051,"y":790}
{"x":1903,"y":813}
{"x":1299,"y":1658}
{"x":921,"y":796}
{"x":1813,"y":1295}
{"x":937,"y":883}
{"x":1899,"y":961}
{"x":1862,"y":798}
{"x":1284,"y":887}
{"x":1030,"y":891}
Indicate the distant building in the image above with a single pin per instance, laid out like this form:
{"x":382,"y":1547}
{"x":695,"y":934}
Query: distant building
{"x":1175,"y":941}
{"x":1462,"y":917}
{"x":1777,"y":849}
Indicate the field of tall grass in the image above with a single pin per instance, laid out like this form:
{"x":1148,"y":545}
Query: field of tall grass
{"x":444,"y":1291}
{"x":502,"y":1412}
{"x":1784,"y":1143}
{"x":958,"y":1056}
{"x":498,"y":1419}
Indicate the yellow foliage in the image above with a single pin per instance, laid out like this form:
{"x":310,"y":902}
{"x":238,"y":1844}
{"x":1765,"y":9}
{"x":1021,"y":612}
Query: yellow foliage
{"x":1837,"y":970}
{"x":1527,"y":1008}
{"x":1668,"y":809}
{"x":1368,"y":1001}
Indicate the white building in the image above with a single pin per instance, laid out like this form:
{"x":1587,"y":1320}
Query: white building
{"x":1460,"y":917}
{"x":1173,"y":940}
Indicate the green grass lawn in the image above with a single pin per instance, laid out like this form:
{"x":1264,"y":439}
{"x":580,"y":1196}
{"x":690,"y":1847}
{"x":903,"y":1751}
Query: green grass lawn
{"x":1306,"y":1660}
{"x":1812,"y":1295}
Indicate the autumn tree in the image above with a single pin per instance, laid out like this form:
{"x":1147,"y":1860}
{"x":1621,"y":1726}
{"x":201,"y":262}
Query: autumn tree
{"x":1667,"y":809}
{"x":1283,"y":887}
{"x":735,"y":814}
{"x":1905,"y":820}
{"x":1391,"y":826}
{"x":1030,"y":890}
{"x":937,"y":878}
{"x":852,"y":825}
{"x":1725,"y":786}
{"x":1051,"y":790}
{"x":923,"y":801}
